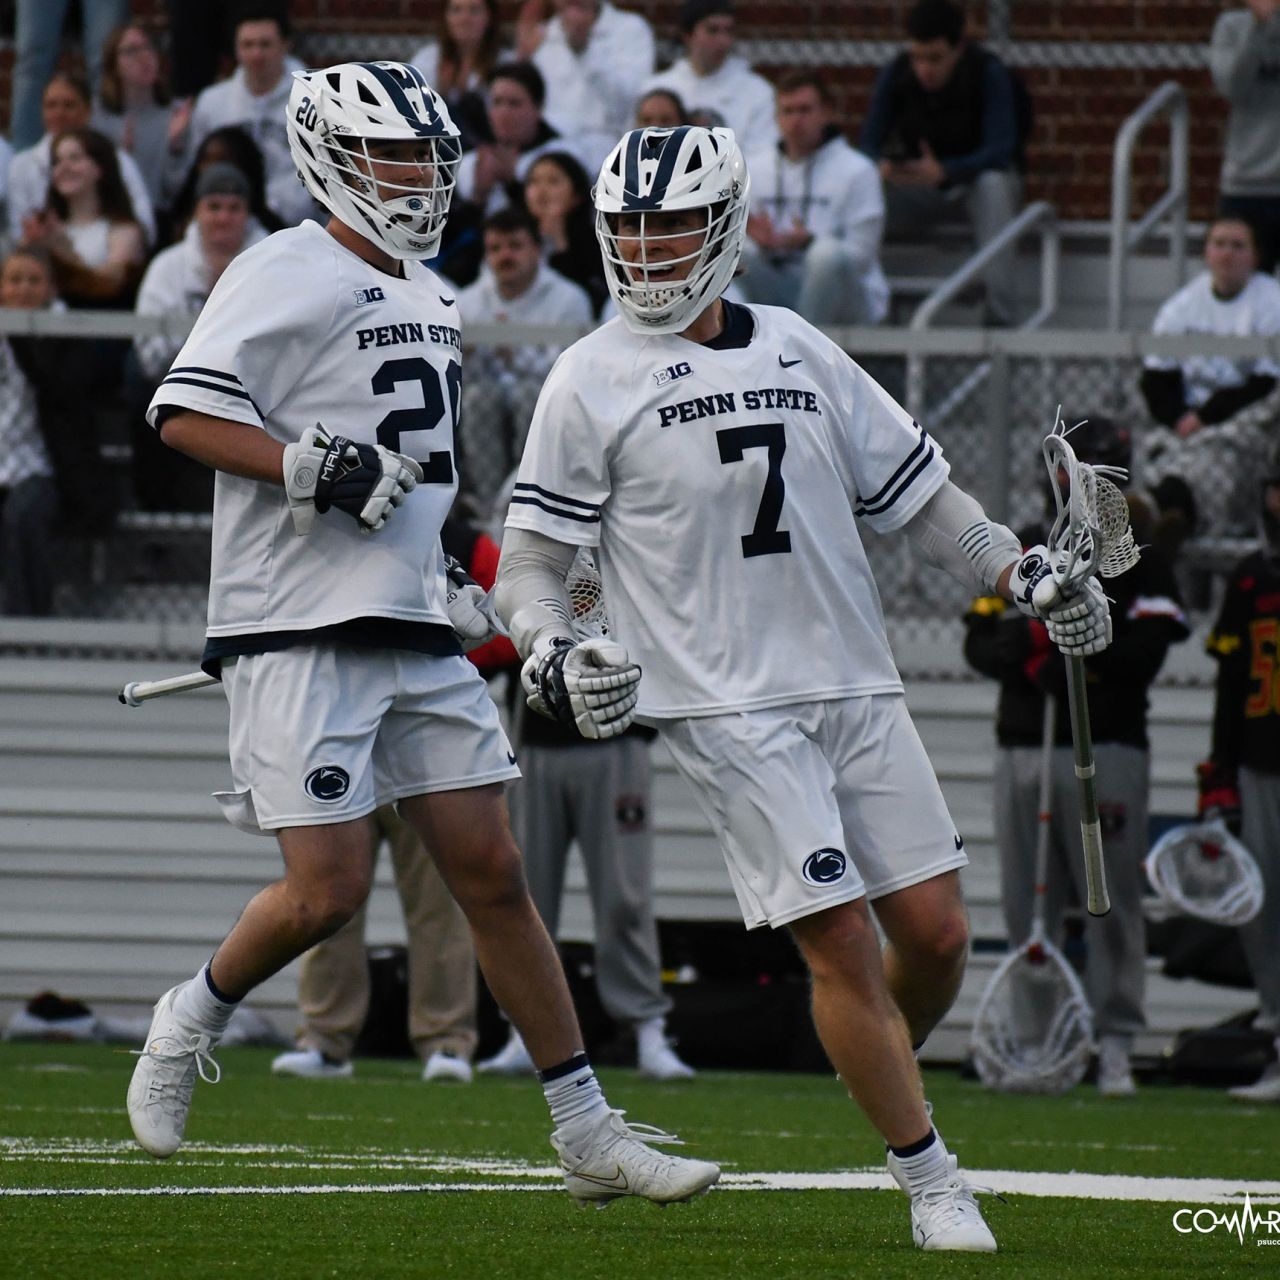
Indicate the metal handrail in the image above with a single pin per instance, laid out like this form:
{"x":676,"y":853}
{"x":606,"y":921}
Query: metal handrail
{"x":1169,"y":99}
{"x":1040,"y":216}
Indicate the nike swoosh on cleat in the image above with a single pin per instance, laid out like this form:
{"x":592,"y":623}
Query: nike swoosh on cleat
{"x":787,"y":364}
{"x":615,"y":1182}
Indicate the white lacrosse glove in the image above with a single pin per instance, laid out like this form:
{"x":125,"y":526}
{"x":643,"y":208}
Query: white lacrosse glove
{"x":591,"y":686}
{"x":366,"y":481}
{"x":471,"y":613}
{"x":1078,"y":623}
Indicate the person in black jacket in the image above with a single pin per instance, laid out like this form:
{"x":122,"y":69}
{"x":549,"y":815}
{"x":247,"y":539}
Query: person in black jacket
{"x":1240,"y":781}
{"x":50,"y":477}
{"x":1147,"y":618}
{"x":948,"y":124}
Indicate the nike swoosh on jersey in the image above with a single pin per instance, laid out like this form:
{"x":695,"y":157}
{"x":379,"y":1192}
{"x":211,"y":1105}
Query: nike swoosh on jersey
{"x":511,"y":759}
{"x":959,"y":842}
{"x":448,"y":302}
{"x":787,"y":364}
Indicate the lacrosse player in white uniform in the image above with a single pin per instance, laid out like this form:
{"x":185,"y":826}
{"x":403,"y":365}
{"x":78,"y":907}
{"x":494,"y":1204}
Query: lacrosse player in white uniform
{"x":321,"y":381}
{"x":719,"y":459}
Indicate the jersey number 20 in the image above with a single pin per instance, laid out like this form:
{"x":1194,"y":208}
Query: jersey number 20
{"x":766,"y":539}
{"x":437,"y":467}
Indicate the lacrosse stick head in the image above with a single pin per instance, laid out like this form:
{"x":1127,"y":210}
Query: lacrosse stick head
{"x":1200,"y":869}
{"x":586,"y":596}
{"x":1033,"y":1030}
{"x":1091,"y":524}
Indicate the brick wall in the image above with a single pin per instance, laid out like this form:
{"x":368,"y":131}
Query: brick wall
{"x":1078,"y":110}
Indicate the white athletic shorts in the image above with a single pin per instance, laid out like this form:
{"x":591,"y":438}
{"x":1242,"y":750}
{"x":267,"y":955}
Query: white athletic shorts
{"x":817,"y":803}
{"x":328,"y":733}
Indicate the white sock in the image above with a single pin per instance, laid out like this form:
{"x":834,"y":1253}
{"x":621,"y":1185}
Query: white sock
{"x":927,"y":1167}
{"x":651,"y":1035}
{"x":195,"y":1002}
{"x":574,"y":1096}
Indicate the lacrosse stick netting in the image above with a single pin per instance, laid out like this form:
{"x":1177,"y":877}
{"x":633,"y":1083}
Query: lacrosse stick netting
{"x":1200,"y":869}
{"x":586,"y":597}
{"x":1090,"y":535}
{"x":1033,"y":1030}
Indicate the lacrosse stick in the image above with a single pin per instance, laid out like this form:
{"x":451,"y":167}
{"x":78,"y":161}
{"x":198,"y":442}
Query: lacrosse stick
{"x":585,"y":595}
{"x":136,"y":692}
{"x":1200,"y":869}
{"x":1092,"y":531}
{"x":1033,"y":1030}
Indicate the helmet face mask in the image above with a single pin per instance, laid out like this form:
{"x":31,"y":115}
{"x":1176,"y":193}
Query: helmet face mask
{"x":671,"y":208}
{"x":375,"y":145}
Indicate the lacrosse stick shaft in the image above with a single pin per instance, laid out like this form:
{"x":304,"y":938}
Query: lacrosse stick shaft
{"x":1099,"y":902}
{"x":136,"y":692}
{"x":1044,"y":818}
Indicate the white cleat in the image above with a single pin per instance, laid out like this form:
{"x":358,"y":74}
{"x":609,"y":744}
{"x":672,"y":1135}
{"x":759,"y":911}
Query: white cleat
{"x":446,"y":1066}
{"x":661,"y":1062}
{"x":1115,"y":1070}
{"x":617,"y":1159}
{"x":160,"y":1090}
{"x":511,"y":1060}
{"x":310,"y":1064}
{"x":1266,"y":1088}
{"x":946,"y":1215}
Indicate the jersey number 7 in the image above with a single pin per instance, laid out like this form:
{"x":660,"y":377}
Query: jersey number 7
{"x":766,"y":539}
{"x":437,"y":467}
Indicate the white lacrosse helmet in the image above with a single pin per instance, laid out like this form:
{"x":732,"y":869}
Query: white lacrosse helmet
{"x":661,"y":171}
{"x":1201,"y":869}
{"x":333,"y":115}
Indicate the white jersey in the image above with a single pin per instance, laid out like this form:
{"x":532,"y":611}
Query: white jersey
{"x":1195,"y":308}
{"x":300,"y":331}
{"x":721,"y":487}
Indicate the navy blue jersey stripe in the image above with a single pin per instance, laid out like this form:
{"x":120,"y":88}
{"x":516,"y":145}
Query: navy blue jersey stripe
{"x":581,"y":517}
{"x":866,"y":509}
{"x":873,"y":498}
{"x":210,"y":386}
{"x":208,"y":373}
{"x":559,"y":497}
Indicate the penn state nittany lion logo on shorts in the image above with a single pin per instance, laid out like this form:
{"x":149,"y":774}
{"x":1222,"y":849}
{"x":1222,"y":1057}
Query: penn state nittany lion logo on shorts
{"x":824,"y":866}
{"x":327,"y":783}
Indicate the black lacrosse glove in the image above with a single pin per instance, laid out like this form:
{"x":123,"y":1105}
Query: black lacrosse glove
{"x":366,"y":481}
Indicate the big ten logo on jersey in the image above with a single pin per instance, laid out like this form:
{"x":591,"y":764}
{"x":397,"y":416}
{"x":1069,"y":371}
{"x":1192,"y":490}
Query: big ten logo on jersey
{"x":672,"y":372}
{"x":371,"y":294}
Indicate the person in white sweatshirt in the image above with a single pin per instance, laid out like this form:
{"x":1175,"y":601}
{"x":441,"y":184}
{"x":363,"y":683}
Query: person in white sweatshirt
{"x":255,"y":98}
{"x":817,"y":216}
{"x":502,"y":384}
{"x":594,"y":58}
{"x":710,"y":79}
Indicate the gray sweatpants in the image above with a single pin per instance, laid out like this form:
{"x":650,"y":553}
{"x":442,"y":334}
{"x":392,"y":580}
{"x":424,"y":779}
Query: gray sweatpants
{"x":598,"y":795}
{"x":1115,"y":975}
{"x":1260,"y":832}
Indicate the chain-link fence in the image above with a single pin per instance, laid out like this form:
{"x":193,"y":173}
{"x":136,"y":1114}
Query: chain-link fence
{"x":988,"y":397}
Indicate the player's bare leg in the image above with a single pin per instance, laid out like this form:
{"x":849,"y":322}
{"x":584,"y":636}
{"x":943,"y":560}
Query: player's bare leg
{"x":866,"y":1038}
{"x":928,"y":932}
{"x":602,"y":1156}
{"x":327,"y":875}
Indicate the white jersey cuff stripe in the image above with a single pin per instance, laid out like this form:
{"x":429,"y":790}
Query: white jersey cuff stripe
{"x":580,"y":516}
{"x":866,"y":509}
{"x":558,"y":497}
{"x":207,"y":373}
{"x":873,"y":498}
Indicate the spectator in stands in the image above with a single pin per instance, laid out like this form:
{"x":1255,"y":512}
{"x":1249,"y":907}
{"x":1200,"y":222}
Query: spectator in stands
{"x":334,"y":985}
{"x":255,"y":97}
{"x":817,"y":213}
{"x":233,"y":146}
{"x":1240,"y":782}
{"x":50,"y":476}
{"x":37,"y":42}
{"x":457,"y":63}
{"x":134,"y":109}
{"x":502,"y":383}
{"x":947,"y":125}
{"x":709,"y":78}
{"x":176,"y":283}
{"x":1244,"y":58}
{"x":1215,"y":415}
{"x":1147,"y":618}
{"x":87,"y":225}
{"x":661,"y":109}
{"x":594,"y":59}
{"x":557,"y":194}
{"x":66,"y":105}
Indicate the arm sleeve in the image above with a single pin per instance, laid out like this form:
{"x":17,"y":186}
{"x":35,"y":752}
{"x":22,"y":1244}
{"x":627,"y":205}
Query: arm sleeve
{"x":1228,"y":401}
{"x":952,"y":531}
{"x":999,"y":128}
{"x":530,"y":594}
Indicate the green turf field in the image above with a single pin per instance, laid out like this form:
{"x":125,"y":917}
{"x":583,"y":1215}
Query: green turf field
{"x":383,"y":1176}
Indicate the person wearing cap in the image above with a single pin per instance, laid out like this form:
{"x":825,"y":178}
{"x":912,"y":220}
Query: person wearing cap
{"x":176,"y":283}
{"x":711,"y":80}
